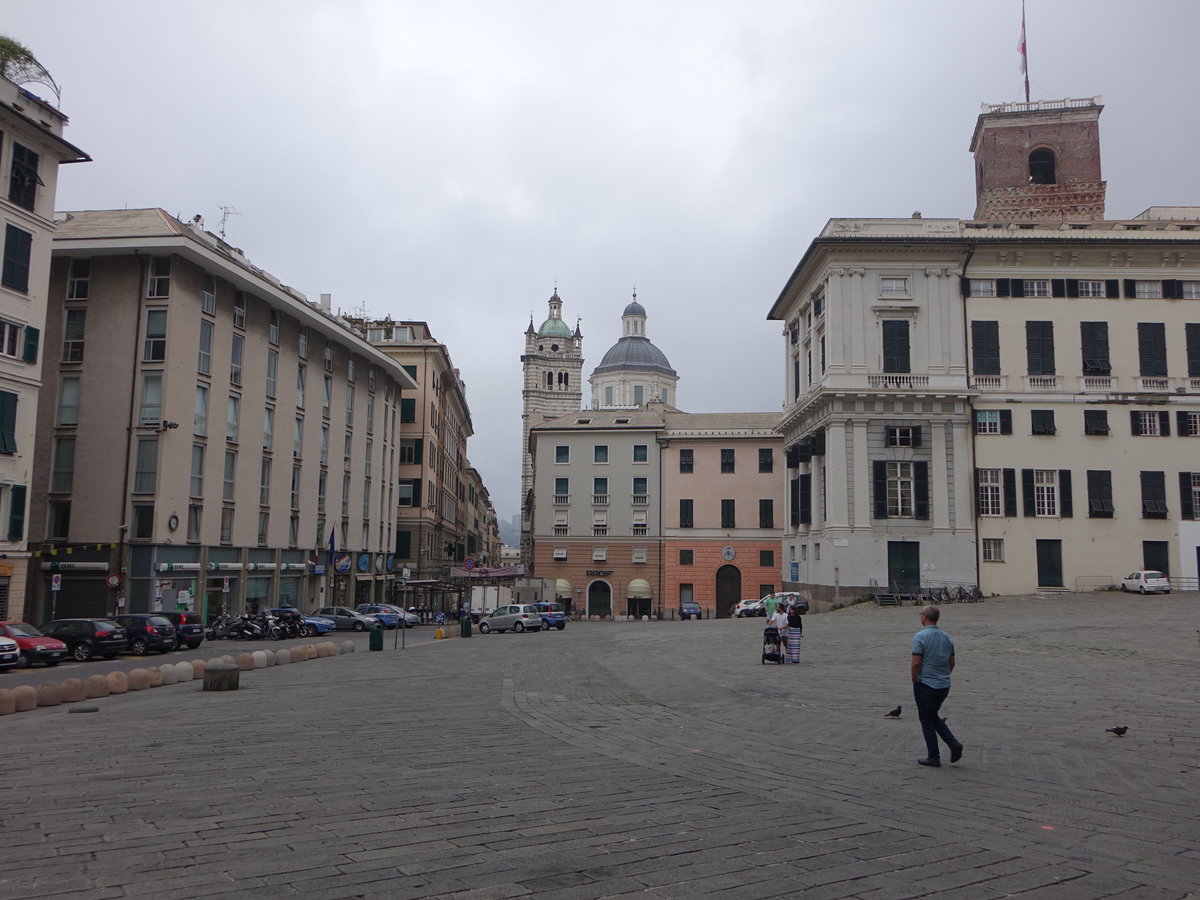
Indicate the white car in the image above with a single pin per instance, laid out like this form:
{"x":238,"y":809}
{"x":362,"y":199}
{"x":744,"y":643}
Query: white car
{"x":1146,"y":581}
{"x":751,"y":607}
{"x":10,"y":653}
{"x":517,"y":617}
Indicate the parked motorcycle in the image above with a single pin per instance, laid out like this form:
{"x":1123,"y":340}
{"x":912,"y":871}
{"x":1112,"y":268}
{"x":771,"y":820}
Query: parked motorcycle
{"x":219,"y":627}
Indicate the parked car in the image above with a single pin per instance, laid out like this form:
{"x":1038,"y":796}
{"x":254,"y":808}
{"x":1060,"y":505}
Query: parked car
{"x":346,"y":619}
{"x":690,"y":609}
{"x":87,"y":637}
{"x":189,"y":628}
{"x":751,"y":607}
{"x":1146,"y":581}
{"x":33,"y":645}
{"x":411,"y":619}
{"x":784,"y":599}
{"x":146,"y":632}
{"x":518,"y":617}
{"x":10,"y":653}
{"x":310,"y":626}
{"x":388,"y":616}
{"x":553,"y":615}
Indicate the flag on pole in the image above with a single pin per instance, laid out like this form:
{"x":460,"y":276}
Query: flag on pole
{"x":1021,"y":48}
{"x":329,"y":563}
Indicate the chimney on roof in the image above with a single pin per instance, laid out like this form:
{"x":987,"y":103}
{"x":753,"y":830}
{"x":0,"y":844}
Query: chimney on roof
{"x":327,"y":302}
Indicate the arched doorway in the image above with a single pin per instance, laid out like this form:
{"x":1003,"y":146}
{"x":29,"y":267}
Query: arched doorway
{"x":637,"y":600}
{"x":599,"y":599}
{"x":729,"y":590}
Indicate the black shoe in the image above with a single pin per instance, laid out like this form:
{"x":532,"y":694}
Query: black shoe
{"x":929,"y":761}
{"x":956,"y":753}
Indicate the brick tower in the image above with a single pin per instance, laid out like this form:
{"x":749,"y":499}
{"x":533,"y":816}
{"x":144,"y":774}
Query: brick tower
{"x":1039,"y":161}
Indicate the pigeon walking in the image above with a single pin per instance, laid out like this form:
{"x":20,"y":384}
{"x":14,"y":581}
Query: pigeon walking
{"x":895,"y":714}
{"x":1118,"y":730}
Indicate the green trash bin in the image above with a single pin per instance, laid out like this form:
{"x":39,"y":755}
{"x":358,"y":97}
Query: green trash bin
{"x":464,"y":625}
{"x":376,"y":637}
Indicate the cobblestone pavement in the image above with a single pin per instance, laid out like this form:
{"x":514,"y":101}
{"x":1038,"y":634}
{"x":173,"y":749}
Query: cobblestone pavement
{"x":640,"y":759}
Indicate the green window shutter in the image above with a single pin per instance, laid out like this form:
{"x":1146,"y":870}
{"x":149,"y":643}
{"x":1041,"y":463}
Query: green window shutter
{"x":31,"y":344}
{"x":16,"y":515}
{"x":417,"y":445}
{"x":408,"y":409}
{"x":403,"y":544}
{"x":8,"y":422}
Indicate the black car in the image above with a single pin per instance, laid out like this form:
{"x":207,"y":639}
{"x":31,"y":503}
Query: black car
{"x":146,"y":632}
{"x":87,"y":637}
{"x":189,"y":629}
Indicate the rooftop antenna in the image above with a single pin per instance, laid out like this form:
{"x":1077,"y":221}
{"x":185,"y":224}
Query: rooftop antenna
{"x":226,"y":212}
{"x":1021,"y":48}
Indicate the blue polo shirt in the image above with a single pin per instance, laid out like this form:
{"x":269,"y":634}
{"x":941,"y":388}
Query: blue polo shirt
{"x":935,"y":649}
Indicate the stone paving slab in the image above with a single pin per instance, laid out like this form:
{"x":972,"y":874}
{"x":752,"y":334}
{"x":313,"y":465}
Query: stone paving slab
{"x":646,"y":760}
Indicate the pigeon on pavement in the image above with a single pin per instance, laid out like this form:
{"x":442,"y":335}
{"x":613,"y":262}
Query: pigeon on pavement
{"x":895,"y":714}
{"x":1118,"y":730}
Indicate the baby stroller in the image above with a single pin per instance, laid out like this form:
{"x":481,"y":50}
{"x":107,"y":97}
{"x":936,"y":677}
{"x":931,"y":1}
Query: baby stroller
{"x":772,"y":647}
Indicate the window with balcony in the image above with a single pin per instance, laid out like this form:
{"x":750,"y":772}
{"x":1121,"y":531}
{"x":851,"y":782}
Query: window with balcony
{"x":208,"y":295}
{"x":150,"y":409}
{"x":239,"y":309}
{"x":985,"y":348}
{"x":600,"y":491}
{"x":562,"y":490}
{"x":1039,"y":347}
{"x":640,"y":497}
{"x":1152,"y":349}
{"x":896,"y":353}
{"x":236,"y":352}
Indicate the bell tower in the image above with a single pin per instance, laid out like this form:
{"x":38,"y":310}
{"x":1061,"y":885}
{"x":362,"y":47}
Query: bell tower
{"x":553,"y":386}
{"x":1039,"y":161}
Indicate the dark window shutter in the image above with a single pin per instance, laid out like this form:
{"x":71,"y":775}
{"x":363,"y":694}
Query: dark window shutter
{"x":16,"y":514}
{"x":1006,"y":421}
{"x":1039,"y":347}
{"x":880,"y":479}
{"x":1027,"y":491}
{"x":1171,"y":289}
{"x":895,"y":346}
{"x":1002,"y":285}
{"x":806,"y":499}
{"x":1065,"y":508}
{"x":916,"y":435}
{"x":31,"y":344}
{"x":1187,"y":509}
{"x":1130,"y":288}
{"x":1072,"y":287}
{"x":794,"y":500}
{"x":964,"y":285}
{"x":17,"y":245}
{"x":408,"y":409}
{"x":1135,"y":423}
{"x":1152,"y":349}
{"x":1112,"y":288}
{"x":8,"y":422}
{"x":920,"y":489}
{"x":403,"y":544}
{"x":985,"y":348}
{"x":1010,"y":492}
{"x":418,"y":445}
{"x":1164,"y":423}
{"x":1058,"y":287}
{"x":1181,"y":423}
{"x":1016,"y":287}
{"x":416,"y":484}
{"x":1094,"y":343}
{"x":1192,"y":333}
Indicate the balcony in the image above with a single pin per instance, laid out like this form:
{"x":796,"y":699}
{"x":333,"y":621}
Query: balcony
{"x":562,"y":499}
{"x":897,"y":382}
{"x":560,"y":530}
{"x":599,"y":499}
{"x":1043,"y":382}
{"x":641,"y":499}
{"x":1154,"y":385}
{"x":989,"y":382}
{"x":1094,"y":383}
{"x":639,"y":531}
{"x":599,"y":531}
{"x":1193,"y":385}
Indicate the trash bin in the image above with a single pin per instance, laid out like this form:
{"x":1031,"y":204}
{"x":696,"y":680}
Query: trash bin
{"x":464,"y":625}
{"x":376,"y":637}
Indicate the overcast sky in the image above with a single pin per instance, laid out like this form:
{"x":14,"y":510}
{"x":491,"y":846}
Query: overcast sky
{"x":450,"y":161}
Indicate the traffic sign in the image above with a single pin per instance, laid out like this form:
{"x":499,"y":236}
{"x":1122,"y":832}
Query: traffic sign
{"x":469,"y":564}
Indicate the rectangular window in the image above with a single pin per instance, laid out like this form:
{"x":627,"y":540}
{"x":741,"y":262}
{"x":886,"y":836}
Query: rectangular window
{"x":1095,"y":421}
{"x":1039,"y":348}
{"x":273,"y":328}
{"x":73,"y":331}
{"x":900,"y":490}
{"x":352,"y":368}
{"x":301,"y":371}
{"x":638,"y":394}
{"x":893,"y":287}
{"x":1036,"y":287}
{"x":1045,"y":493}
{"x":408,"y":410}
{"x":1148,"y":290}
{"x":328,"y":357}
{"x":766,"y":560}
{"x":324,"y":445}
{"x":766,"y":513}
{"x":235,"y":359}
{"x":17,"y":247}
{"x":766,"y":459}
{"x":159,"y":286}
{"x":367,"y":457}
{"x":685,"y":514}
{"x":302,"y":343}
{"x":1152,"y":349}
{"x":599,"y":490}
{"x":982,"y":287}
{"x":608,"y":396}
{"x":896,"y":356}
{"x":990,"y":492}
{"x":264,"y":524}
{"x":326,"y":395}
{"x":1093,"y":337}
{"x":272,"y":372}
{"x":560,"y":554}
{"x":640,"y":453}
{"x":685,"y":461}
{"x":1146,"y":423}
{"x":196,"y":481}
{"x":638,"y":555}
{"x":200,"y":419}
{"x":600,"y":453}
{"x":68,"y":400}
{"x":204,"y":352}
{"x":208,"y":295}
{"x":150,"y":411}
{"x":686,"y":593}
{"x":406,"y":493}
{"x":79,"y":276}
{"x":193,"y":522}
{"x":227,"y":525}
{"x":728,"y":514}
{"x":1041,"y":421}
{"x":239,"y":309}
{"x":562,"y":489}
{"x":155,"y":346}
{"x":58,"y":524}
{"x":349,"y":406}
{"x":229,"y":480}
{"x":370,"y":414}
{"x":62,"y":476}
{"x":985,"y":348}
{"x":1154,"y":495}
{"x":232,"y":417}
{"x":899,"y":436}
{"x":145,"y":473}
{"x":599,"y":554}
{"x":1099,"y":486}
{"x":23,"y":177}
{"x":1189,"y":424}
{"x":562,"y":454}
{"x":687,"y":557}
{"x":993,"y":549}
{"x":639,"y":487}
{"x":409,"y":455}
{"x":1091,"y":289}
{"x":142,"y":527}
{"x":1189,"y":290}
{"x":11,"y":343}
{"x":727,"y":461}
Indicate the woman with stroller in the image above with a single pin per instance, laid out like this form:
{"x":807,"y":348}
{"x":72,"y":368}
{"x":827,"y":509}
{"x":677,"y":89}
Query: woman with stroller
{"x":793,"y":633}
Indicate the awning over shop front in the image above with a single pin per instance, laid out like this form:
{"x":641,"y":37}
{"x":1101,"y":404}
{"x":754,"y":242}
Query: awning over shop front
{"x":639,"y":588}
{"x":562,"y":587}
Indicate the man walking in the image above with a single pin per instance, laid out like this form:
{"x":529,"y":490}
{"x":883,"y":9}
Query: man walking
{"x":932,"y":663}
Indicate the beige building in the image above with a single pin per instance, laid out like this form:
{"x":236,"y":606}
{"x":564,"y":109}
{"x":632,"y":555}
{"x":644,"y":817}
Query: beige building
{"x":1008,"y":400}
{"x":209,"y":435}
{"x":31,"y":148}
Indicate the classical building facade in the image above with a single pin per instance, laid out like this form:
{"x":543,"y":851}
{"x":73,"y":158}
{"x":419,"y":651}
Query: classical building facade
{"x":190,"y":424}
{"x":31,"y":149}
{"x":1009,"y":400}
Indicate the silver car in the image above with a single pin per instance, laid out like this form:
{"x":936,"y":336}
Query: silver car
{"x":518,"y":617}
{"x":345,"y":619}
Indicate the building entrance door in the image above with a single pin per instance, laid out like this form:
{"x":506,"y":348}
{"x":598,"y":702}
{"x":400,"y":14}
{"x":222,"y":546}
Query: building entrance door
{"x":1049,"y":564}
{"x":729,"y":590}
{"x":904,"y":567}
{"x":599,"y":599}
{"x":1157,"y":555}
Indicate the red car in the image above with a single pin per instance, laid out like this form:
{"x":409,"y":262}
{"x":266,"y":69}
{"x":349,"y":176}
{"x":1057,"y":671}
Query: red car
{"x":34,"y":646}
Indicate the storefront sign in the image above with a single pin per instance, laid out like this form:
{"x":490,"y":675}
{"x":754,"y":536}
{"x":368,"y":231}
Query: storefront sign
{"x":364,"y":562}
{"x":342,"y":563}
{"x":76,"y":566}
{"x":599,"y":573}
{"x":178,"y":567}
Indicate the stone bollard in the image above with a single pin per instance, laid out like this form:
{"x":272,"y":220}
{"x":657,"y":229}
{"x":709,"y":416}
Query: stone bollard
{"x":347,"y":646}
{"x":283,"y":657}
{"x":244,"y":662}
{"x":118,"y":682}
{"x":323,"y":651}
{"x":156,"y":676}
{"x":221,"y":677}
{"x":8,"y":703}
{"x":228,"y":658}
{"x":260,"y":658}
{"x":26,"y":698}
{"x":270,"y":658}
{"x":198,"y":667}
{"x":170,"y":674}
{"x":49,"y":693}
{"x":139,"y":679}
{"x":185,"y":672}
{"x":73,"y":690}
{"x":95,"y":686}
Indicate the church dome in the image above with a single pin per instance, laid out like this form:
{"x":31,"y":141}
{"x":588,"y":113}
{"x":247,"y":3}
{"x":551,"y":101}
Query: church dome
{"x":553,"y":327}
{"x":634,"y":353}
{"x":634,"y":309}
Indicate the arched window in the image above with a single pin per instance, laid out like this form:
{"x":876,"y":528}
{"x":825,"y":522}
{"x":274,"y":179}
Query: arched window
{"x":549,"y":379}
{"x":1041,"y":166}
